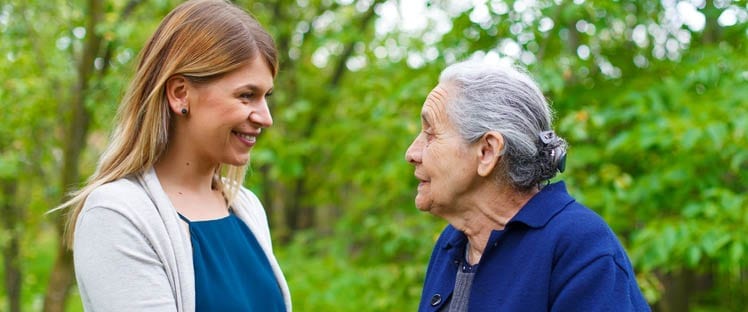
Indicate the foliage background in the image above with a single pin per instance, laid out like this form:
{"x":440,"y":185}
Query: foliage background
{"x":650,"y":94}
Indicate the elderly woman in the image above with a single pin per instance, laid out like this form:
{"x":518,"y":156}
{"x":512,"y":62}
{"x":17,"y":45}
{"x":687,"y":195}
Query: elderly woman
{"x":514,"y":242}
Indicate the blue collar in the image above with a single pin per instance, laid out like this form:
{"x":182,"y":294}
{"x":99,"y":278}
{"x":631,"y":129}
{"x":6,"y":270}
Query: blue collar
{"x":536,"y":213}
{"x":543,"y":206}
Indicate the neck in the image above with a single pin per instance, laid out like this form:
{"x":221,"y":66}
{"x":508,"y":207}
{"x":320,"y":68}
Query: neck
{"x":189,"y":185}
{"x":487,"y":212}
{"x":185,"y":172}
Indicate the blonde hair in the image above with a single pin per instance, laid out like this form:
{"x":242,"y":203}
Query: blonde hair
{"x":200,"y":40}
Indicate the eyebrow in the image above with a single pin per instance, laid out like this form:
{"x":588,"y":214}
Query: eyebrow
{"x":253,"y":87}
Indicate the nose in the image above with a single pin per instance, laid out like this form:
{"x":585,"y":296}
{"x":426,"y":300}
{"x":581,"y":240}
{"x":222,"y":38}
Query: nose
{"x":413,"y":154}
{"x":261,"y":116}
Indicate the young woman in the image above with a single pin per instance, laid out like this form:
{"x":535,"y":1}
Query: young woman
{"x":164,"y":223}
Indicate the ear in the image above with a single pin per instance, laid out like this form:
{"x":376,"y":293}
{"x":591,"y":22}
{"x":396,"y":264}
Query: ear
{"x":490,"y":149}
{"x":176,"y":93}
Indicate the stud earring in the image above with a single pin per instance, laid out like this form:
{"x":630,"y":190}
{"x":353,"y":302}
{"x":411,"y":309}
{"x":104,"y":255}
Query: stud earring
{"x":184,"y":111}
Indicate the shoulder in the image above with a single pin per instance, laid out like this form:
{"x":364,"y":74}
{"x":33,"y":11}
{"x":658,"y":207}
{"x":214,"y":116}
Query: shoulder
{"x":247,"y":195}
{"x":250,"y":210}
{"x":114,"y":211}
{"x":119,"y":194}
{"x":577,"y":218}
{"x":249,"y":207}
{"x":123,"y":196}
{"x":579,"y":215}
{"x":582,"y":233}
{"x":248,"y":200}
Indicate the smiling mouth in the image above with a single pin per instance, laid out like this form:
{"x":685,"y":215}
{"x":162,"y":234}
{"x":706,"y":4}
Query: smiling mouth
{"x":248,"y":139}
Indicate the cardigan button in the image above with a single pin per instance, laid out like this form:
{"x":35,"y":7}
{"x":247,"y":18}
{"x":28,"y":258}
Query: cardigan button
{"x":436,"y":299}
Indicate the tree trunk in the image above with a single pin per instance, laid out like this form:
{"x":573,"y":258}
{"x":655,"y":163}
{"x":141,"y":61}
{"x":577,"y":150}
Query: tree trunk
{"x":303,"y":215}
{"x":60,"y":281}
{"x":675,"y":297}
{"x":11,"y":253}
{"x":274,"y":201}
{"x":62,"y":276}
{"x":681,"y":286}
{"x":711,"y":33}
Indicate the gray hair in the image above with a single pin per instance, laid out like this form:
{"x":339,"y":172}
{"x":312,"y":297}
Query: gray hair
{"x":504,"y":98}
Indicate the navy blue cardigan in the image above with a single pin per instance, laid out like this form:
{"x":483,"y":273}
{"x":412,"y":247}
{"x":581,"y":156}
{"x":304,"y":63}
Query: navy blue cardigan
{"x":554,"y":255}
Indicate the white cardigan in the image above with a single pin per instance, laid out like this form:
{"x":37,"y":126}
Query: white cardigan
{"x":132,"y":252}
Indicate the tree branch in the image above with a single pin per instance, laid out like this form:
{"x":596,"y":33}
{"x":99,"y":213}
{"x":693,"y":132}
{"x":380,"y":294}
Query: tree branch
{"x":110,"y":44}
{"x":348,"y":51}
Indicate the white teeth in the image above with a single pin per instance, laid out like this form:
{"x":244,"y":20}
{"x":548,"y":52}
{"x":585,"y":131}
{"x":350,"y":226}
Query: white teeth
{"x":247,"y":137}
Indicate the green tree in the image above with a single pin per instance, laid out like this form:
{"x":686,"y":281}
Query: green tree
{"x":652,"y":103}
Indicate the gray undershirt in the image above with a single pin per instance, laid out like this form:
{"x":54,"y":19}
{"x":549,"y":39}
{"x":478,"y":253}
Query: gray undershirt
{"x":463,"y":284}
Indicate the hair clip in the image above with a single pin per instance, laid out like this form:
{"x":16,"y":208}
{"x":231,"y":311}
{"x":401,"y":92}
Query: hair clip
{"x":562,"y":163}
{"x":547,"y":136}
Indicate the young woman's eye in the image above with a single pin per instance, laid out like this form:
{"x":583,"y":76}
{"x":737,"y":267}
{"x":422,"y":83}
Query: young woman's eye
{"x":269,"y":94}
{"x":247,"y":96}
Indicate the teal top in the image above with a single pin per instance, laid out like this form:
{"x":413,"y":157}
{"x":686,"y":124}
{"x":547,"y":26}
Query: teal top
{"x":232,"y":272}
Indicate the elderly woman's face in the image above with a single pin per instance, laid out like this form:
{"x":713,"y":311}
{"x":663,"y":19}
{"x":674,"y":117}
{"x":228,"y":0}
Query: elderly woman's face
{"x":444,"y":164}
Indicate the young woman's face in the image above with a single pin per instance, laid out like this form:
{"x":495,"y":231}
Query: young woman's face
{"x":226,"y":115}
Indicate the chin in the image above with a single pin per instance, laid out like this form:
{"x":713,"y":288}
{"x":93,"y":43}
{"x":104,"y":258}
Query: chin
{"x":238,"y":162}
{"x":422,"y":206}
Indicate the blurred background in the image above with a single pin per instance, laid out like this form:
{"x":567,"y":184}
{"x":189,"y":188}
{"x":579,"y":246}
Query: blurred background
{"x":652,"y":96}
